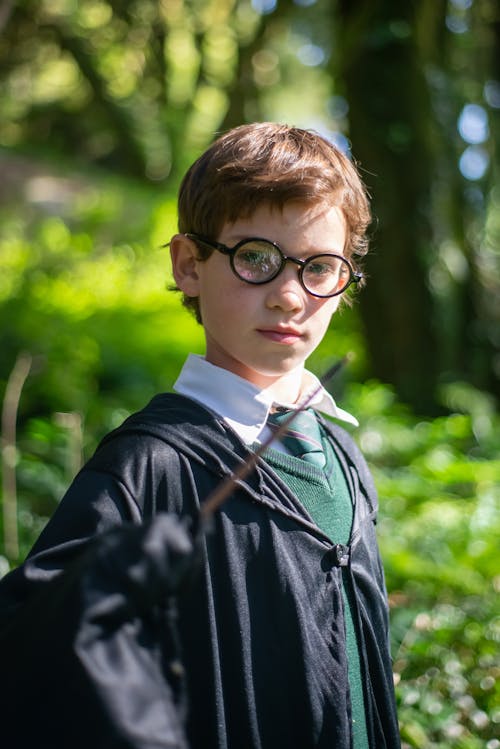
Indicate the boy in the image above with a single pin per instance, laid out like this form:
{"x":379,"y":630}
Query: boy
{"x":279,"y":613}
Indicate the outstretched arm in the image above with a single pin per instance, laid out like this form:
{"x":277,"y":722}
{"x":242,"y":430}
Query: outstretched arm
{"x":91,"y":658}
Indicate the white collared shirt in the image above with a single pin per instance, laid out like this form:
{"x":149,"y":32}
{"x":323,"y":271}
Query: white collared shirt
{"x":243,"y":406}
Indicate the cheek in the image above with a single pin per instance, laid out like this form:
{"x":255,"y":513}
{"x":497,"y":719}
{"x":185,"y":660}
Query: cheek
{"x":221,"y":304}
{"x":323,"y":314}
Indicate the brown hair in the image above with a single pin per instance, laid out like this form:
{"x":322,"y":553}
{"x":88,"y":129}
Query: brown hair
{"x":269,"y":163}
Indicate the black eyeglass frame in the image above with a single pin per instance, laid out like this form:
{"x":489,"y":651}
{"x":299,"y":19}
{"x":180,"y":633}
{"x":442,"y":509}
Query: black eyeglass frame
{"x":355,"y":276}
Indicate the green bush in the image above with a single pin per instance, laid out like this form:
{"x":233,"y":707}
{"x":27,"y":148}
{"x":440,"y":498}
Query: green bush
{"x":439,"y":530}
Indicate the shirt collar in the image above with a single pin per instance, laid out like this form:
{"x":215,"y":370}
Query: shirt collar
{"x":244,"y":406}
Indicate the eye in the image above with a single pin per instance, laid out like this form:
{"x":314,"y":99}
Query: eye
{"x":326,"y":275}
{"x":319,"y":268}
{"x":257,"y":259}
{"x":325,"y":266}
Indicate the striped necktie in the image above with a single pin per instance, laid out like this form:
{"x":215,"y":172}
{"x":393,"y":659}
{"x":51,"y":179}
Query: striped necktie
{"x":303,"y":438}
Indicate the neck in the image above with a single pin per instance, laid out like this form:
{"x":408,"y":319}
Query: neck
{"x":288,"y":388}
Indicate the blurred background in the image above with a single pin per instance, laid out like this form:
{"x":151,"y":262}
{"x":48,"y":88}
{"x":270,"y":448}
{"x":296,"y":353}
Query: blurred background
{"x":103,"y":105}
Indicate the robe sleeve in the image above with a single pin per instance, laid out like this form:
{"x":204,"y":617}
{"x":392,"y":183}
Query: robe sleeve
{"x":88,"y":642}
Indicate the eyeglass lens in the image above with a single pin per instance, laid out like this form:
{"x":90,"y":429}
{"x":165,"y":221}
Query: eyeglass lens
{"x":260,"y":261}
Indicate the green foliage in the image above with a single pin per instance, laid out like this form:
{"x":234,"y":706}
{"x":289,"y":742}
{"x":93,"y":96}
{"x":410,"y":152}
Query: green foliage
{"x":94,"y":313}
{"x":439,"y":530}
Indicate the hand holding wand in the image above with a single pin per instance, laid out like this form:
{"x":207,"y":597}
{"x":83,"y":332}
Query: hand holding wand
{"x":221,"y":492}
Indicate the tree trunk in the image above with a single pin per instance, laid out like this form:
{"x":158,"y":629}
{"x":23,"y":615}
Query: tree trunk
{"x":389,"y":115}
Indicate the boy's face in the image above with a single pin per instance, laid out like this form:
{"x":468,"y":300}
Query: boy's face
{"x":263,"y":333}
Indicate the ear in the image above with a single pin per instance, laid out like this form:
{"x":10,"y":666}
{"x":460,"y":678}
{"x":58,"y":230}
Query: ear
{"x":184,"y":257}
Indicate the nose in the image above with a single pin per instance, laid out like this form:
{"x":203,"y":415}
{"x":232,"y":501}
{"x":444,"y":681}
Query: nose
{"x":285,"y":291}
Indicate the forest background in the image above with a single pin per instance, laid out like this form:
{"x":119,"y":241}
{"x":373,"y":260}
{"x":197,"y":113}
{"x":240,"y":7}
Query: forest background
{"x":103,"y":105}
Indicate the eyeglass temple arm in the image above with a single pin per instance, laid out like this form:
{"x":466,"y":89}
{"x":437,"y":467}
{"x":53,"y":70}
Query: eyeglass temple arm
{"x":209,"y":243}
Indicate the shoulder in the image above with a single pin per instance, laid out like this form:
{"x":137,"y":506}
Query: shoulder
{"x":159,"y":442}
{"x":168,"y":419}
{"x":167,"y":410}
{"x":155,"y":435}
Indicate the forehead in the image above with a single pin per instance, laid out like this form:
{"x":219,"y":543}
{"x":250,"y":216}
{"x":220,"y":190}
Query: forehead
{"x":293,"y":224}
{"x":280,"y":208}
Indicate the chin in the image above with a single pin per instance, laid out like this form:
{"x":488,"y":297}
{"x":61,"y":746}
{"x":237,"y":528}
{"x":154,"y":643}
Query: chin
{"x":268,"y":375}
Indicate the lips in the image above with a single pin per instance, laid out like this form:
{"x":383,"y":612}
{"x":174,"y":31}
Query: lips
{"x":280,"y":335}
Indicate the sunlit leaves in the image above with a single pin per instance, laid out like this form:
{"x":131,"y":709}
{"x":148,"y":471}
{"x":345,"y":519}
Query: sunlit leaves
{"x":439,"y":530}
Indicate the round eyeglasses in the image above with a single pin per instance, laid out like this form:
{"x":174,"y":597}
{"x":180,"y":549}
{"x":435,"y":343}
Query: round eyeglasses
{"x":259,"y":261}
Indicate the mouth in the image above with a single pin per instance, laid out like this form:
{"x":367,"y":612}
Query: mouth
{"x":285,"y":336}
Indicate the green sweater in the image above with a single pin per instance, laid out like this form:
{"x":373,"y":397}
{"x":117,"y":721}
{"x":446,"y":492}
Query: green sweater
{"x":325,"y":495}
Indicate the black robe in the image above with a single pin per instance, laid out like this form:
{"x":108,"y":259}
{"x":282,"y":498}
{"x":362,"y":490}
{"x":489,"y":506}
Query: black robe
{"x":130,"y":628}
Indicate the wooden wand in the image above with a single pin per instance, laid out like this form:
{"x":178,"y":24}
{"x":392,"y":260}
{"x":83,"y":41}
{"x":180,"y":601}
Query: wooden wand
{"x":226,"y":487}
